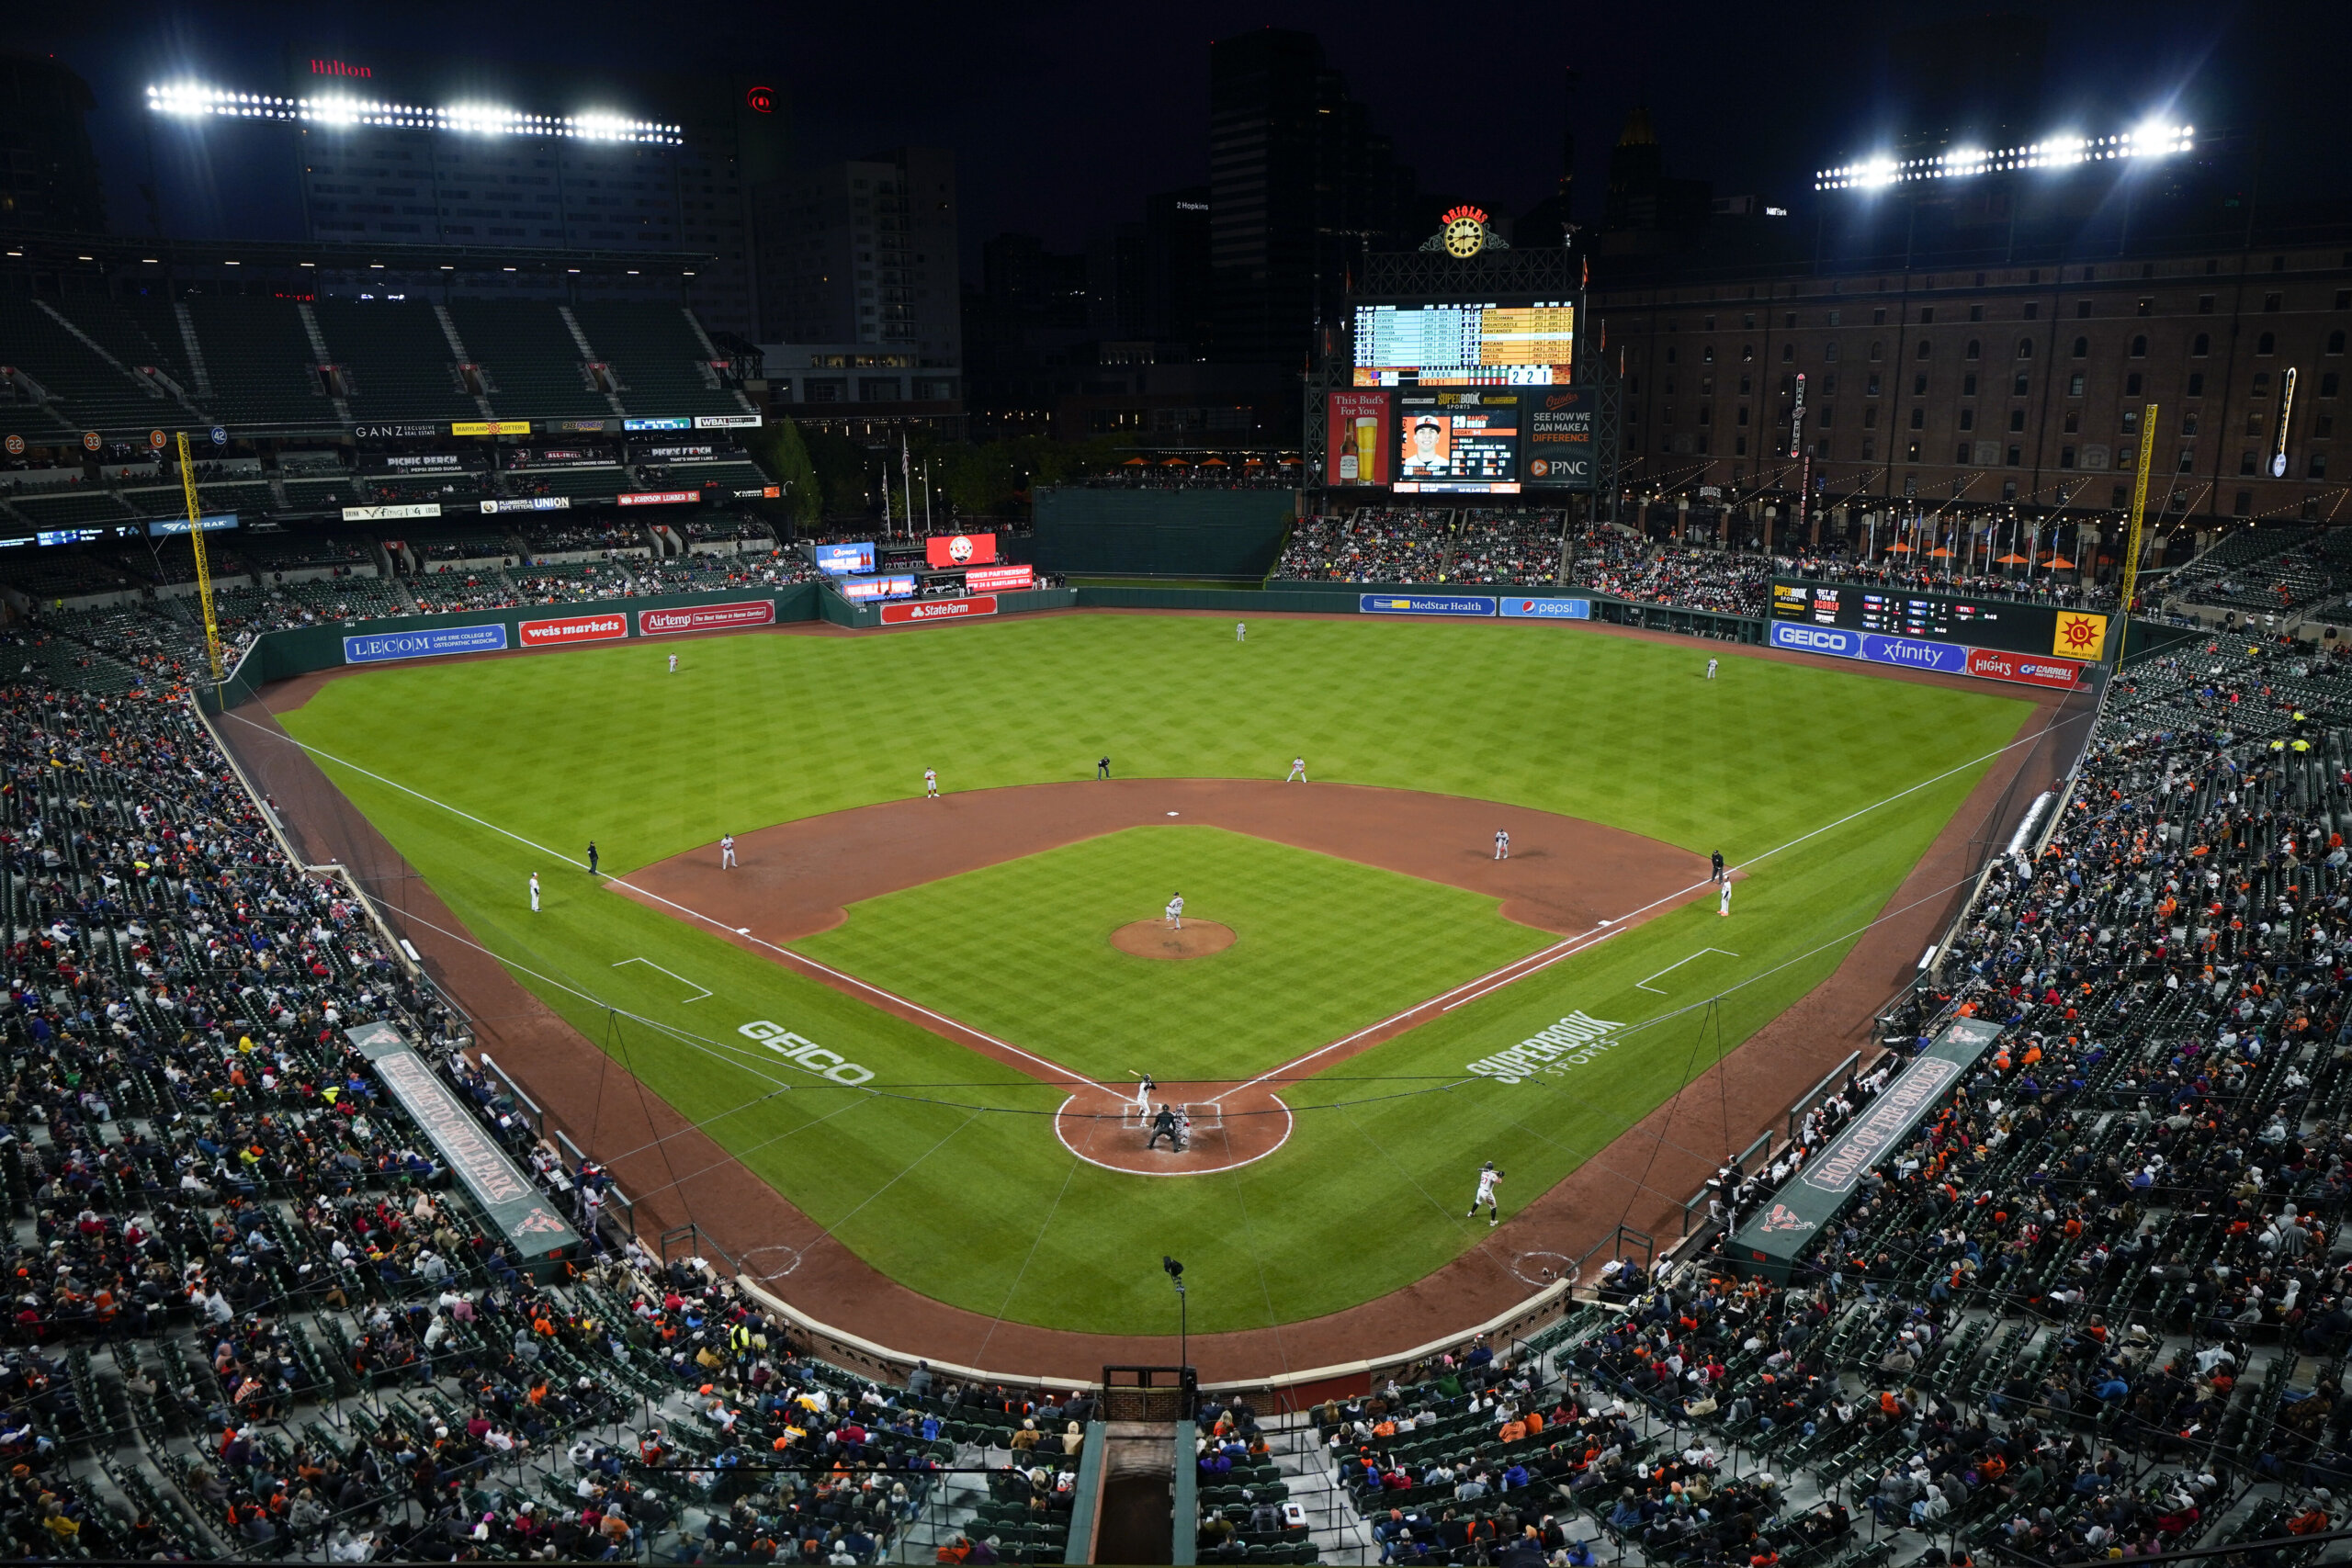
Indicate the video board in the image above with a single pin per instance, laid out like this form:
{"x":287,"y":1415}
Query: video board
{"x":2005,"y":624}
{"x":1457,"y":443}
{"x":1465,"y":344}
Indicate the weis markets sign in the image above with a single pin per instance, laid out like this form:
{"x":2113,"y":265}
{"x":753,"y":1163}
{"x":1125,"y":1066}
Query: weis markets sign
{"x":924,"y":610}
{"x":377,"y":648}
{"x":805,"y":1054}
{"x":1571,"y":1043}
{"x":706,"y":617}
{"x":559,"y":630}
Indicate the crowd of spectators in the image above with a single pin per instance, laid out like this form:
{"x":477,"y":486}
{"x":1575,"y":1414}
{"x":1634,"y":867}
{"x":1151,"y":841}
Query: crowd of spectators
{"x":1614,"y":561}
{"x":2038,"y":586}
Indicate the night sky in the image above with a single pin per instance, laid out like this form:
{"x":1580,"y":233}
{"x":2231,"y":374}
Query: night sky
{"x":1063,"y":117}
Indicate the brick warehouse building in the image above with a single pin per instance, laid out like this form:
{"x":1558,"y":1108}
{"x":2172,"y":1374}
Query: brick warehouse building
{"x":2012,"y":383}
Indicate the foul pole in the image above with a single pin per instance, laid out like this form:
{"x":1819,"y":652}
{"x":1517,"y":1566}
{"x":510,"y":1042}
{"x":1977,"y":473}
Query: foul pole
{"x":2131,"y":539}
{"x":203,"y":569}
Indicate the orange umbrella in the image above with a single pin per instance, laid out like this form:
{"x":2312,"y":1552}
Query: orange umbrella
{"x":1939,"y":553}
{"x":1290,"y":462}
{"x":2059,"y":563}
{"x":1178,"y":463}
{"x":2013,"y":559}
{"x":1133,"y":463}
{"x":1216,"y":463}
{"x":1905,"y":548}
{"x":1253,"y":462}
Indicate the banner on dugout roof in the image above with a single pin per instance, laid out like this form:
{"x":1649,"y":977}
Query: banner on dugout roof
{"x":926,"y":610}
{"x":1548,"y":609}
{"x":706,"y":617}
{"x":1426,"y":604}
{"x":1772,"y":1238}
{"x":377,"y":646}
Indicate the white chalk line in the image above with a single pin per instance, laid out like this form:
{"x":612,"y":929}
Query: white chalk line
{"x":701,"y":991}
{"x":1644,"y":983}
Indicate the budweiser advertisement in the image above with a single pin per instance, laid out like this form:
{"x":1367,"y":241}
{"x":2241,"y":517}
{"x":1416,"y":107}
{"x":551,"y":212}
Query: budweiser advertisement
{"x":2027,"y":669}
{"x":706,"y":617}
{"x":959,"y":549}
{"x":938,"y":610}
{"x":985,"y":578}
{"x":560,"y":629}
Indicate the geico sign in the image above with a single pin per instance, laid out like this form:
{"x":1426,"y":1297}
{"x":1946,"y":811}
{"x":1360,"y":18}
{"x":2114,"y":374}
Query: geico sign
{"x":1815,"y":640}
{"x":805,"y":1054}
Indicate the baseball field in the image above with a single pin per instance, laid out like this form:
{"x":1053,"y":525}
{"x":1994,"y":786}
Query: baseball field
{"x":912,"y":1019}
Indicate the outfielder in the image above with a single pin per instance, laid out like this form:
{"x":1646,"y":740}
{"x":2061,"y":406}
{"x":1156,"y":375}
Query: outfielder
{"x":535,"y":892}
{"x":1487,"y":1177}
{"x":1710,"y":669}
{"x":1297,"y":771}
{"x":1502,"y":844}
{"x":931,"y":783}
{"x":674,"y":664}
{"x":1241,"y":631}
{"x":1176,"y":913}
{"x":726,"y":851}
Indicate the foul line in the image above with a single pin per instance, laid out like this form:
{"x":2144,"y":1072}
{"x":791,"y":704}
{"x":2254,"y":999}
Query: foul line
{"x":704,"y":990}
{"x":1644,"y":983}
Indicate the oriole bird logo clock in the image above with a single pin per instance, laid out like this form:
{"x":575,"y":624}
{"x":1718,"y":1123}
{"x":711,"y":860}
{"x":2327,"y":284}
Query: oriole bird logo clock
{"x":1465,"y":232}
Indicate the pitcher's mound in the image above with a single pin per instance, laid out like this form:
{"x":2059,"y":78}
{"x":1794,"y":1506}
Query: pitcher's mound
{"x":1152,"y":939}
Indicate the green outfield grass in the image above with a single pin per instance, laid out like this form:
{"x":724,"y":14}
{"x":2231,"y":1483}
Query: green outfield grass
{"x":1322,"y":947}
{"x":944,"y":1171}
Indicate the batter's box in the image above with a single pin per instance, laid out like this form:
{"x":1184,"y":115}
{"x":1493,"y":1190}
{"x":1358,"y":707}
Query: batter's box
{"x":1205,"y":1116}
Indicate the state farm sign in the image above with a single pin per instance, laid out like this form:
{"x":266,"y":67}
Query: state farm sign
{"x":572,"y":628}
{"x":938,"y":610}
{"x":706,"y":617}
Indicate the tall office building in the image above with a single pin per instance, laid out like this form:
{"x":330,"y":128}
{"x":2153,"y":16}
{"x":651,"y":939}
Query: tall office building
{"x":448,"y":151}
{"x":1301,"y":186}
{"x":48,"y":177}
{"x":863,"y":253}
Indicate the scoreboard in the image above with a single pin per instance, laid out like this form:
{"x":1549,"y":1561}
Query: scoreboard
{"x":1908,"y":616}
{"x":1529,"y":344}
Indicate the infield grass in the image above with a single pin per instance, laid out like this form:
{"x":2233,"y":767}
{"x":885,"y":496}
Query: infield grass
{"x":1322,"y":947}
{"x":944,"y":1171}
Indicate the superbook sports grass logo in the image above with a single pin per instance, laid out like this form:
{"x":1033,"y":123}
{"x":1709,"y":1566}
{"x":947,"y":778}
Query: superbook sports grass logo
{"x":1574,"y":1040}
{"x":805,"y":1054}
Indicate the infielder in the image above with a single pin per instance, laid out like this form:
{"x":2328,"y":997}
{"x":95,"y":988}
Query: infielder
{"x":1297,"y":771}
{"x":726,"y":851}
{"x":674,"y":664}
{"x":931,"y":783}
{"x":1102,"y":767}
{"x":1241,"y":631}
{"x":1502,"y":844}
{"x":1710,"y":669}
{"x":535,"y":892}
{"x":1487,"y":1177}
{"x":1176,"y":913}
{"x":1724,"y":907}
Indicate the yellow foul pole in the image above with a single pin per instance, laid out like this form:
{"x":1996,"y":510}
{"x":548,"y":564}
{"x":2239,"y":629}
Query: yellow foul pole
{"x":2132,"y":541}
{"x":204,"y":571}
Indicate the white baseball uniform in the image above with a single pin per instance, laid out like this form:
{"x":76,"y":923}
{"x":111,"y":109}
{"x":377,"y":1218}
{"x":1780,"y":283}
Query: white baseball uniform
{"x":535,"y":892}
{"x":1726,"y":907}
{"x":1502,"y":844}
{"x":1710,"y":669}
{"x":1240,"y":631}
{"x":726,"y":851}
{"x":674,"y":664}
{"x":1297,"y":771}
{"x":931,"y":783}
{"x":1176,"y":911}
{"x":1486,"y":1179}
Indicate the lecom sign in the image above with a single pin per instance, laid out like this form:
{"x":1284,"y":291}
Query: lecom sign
{"x":938,"y":610}
{"x":706,"y":617}
{"x":572,"y":628}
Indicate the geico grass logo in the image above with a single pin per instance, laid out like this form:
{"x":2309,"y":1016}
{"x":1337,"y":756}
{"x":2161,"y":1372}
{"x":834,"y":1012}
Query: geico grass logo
{"x":805,"y":1054}
{"x":1574,"y":1040}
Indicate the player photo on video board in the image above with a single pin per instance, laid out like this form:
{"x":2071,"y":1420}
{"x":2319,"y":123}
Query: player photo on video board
{"x":1465,"y":443}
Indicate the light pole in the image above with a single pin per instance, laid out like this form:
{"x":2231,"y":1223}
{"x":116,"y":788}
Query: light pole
{"x":1184,"y":1315}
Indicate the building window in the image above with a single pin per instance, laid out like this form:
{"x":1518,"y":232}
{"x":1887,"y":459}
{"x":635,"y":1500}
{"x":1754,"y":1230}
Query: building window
{"x":2130,"y":420}
{"x":2117,"y":498}
{"x":2318,"y":465}
{"x":1739,"y":446}
{"x":2065,"y":457}
{"x":2274,"y":301}
{"x":2336,"y":341}
{"x":1743,"y":414}
{"x":1961,"y":455}
{"x":2147,"y":307}
{"x":1968,"y":385}
{"x":1878,"y":317}
{"x":2140,"y":346}
{"x":2025,"y":348}
{"x":1925,"y":348}
{"x":2188,"y":459}
{"x":1926,"y":314}
{"x":2131,"y":385}
{"x":2082,"y":348}
{"x":2245,"y":504}
{"x":1747,"y":352}
{"x":2017,"y":419}
{"x":2267,"y":343}
{"x":1870,"y":416}
{"x":1919,"y":417}
{"x":1968,"y":419}
{"x":2082,"y":309}
{"x":2329,"y":382}
{"x":1670,"y":354}
{"x":1870,"y":447}
{"x":2261,"y":383}
{"x":2019,"y":384}
{"x":1911,"y":453}
{"x":2189,"y":423}
{"x":2074,"y":385}
{"x":2205,"y":304}
{"x":2246,"y":462}
{"x":1919,"y":386}
{"x":1976,"y":312}
{"x":1829,"y":351}
{"x":1788,"y":354}
{"x":2034,"y":312}
{"x":2073,"y":422}
{"x":2017,"y":460}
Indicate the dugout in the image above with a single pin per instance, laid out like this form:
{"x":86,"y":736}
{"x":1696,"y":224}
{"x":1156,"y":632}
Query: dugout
{"x":1234,"y":534}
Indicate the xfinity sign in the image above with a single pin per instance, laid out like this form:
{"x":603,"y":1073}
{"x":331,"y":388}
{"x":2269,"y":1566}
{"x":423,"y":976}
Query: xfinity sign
{"x":1817,"y":639}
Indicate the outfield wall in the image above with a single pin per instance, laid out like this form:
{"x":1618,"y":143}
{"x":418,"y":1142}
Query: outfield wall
{"x":1234,"y":534}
